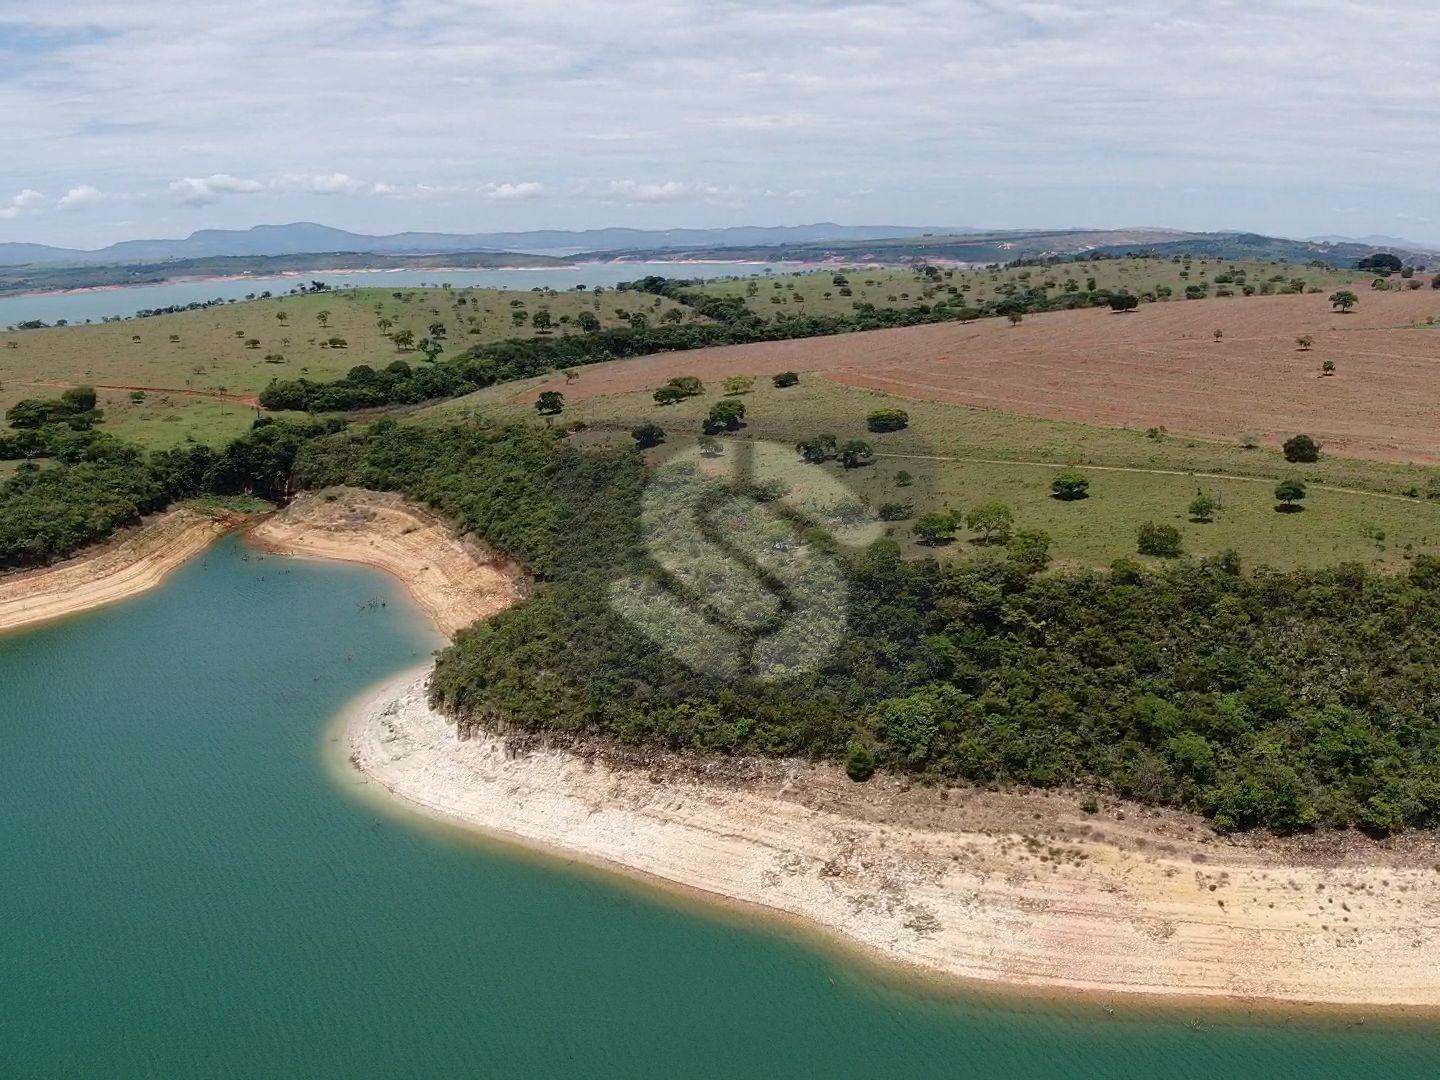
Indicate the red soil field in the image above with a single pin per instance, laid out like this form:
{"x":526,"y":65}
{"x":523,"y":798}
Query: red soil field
{"x":1157,"y":367}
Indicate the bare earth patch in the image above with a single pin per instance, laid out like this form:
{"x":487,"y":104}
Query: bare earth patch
{"x":1157,"y":367}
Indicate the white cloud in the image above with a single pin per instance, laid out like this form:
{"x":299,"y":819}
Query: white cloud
{"x":81,"y":196}
{"x":526,"y":189}
{"x":336,"y":183}
{"x":202,"y":191}
{"x":28,"y":200}
{"x":637,"y":191}
{"x":928,"y":111}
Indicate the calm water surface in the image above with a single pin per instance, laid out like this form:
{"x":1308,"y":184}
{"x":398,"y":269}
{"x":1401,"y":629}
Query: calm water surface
{"x":187,"y":890}
{"x":100,"y":304}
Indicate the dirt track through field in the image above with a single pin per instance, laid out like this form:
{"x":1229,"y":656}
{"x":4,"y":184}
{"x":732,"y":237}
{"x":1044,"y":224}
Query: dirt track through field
{"x":1157,"y":367}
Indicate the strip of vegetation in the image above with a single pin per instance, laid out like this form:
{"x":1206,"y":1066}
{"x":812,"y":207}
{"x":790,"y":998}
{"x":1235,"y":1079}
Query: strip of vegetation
{"x":729,"y":322}
{"x":98,"y":483}
{"x":1289,"y":701}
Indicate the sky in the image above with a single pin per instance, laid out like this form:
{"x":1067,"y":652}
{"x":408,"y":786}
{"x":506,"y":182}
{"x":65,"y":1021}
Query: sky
{"x":140,"y":118}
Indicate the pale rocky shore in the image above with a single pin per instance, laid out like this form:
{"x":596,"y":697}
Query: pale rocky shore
{"x":455,"y":581}
{"x":134,"y":561}
{"x":1022,"y":890}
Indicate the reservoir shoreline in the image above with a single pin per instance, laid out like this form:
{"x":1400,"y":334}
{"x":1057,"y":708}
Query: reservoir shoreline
{"x":1021,"y":893}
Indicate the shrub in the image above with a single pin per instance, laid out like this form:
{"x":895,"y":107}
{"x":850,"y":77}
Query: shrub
{"x":887,"y":420}
{"x":1070,"y":485}
{"x":1029,"y":549}
{"x":1161,"y":540}
{"x":992,"y":520}
{"x":739,"y":384}
{"x":550,"y":402}
{"x":895,"y":511}
{"x":904,"y":479}
{"x":935,"y":528}
{"x":724,"y":416}
{"x":647,"y":435}
{"x":818,"y":448}
{"x":667,"y":395}
{"x":1290,"y":492}
{"x":1121,"y":303}
{"x":859,"y":762}
{"x":1203,"y":506}
{"x":855,"y":453}
{"x":1301,"y":448}
{"x":785,"y":378}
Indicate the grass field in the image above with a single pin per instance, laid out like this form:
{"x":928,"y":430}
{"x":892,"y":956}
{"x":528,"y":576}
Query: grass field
{"x":819,"y":293}
{"x":238,"y":348}
{"x":1134,"y":478}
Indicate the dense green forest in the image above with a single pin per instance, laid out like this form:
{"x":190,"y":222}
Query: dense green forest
{"x":1284,"y":700}
{"x":93,"y":483}
{"x":728,"y":322}
{"x":1290,"y":700}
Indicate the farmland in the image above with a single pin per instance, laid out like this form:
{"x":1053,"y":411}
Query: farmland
{"x":1159,"y":367}
{"x":190,"y":360}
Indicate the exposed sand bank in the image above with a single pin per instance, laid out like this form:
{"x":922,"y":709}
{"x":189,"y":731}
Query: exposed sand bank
{"x":1020,"y":890}
{"x":135,"y":561}
{"x":453,"y":580}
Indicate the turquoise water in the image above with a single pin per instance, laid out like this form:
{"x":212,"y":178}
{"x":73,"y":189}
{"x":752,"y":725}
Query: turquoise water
{"x":187,"y":890}
{"x":98,"y":304}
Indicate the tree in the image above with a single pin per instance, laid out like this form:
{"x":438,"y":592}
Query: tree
{"x":1290,"y":492}
{"x":1122,"y":302}
{"x":855,"y":453}
{"x":1301,"y":448}
{"x":647,"y":435}
{"x":80,"y":399}
{"x":1161,"y":540}
{"x":1327,"y":367}
{"x":1029,"y":549}
{"x":384,"y":325}
{"x":430,"y":349}
{"x":992,"y":520}
{"x":1382,"y":261}
{"x":281,"y":317}
{"x":550,"y":402}
{"x":403,"y":339}
{"x":541,"y":321}
{"x":818,"y":449}
{"x":688,"y":385}
{"x":1069,"y":485}
{"x":437,"y":331}
{"x":739,"y":384}
{"x":784,"y":379}
{"x":887,"y":420}
{"x":1217,"y":334}
{"x":935,"y":528}
{"x":1343,"y":300}
{"x":1203,"y":506}
{"x":724,"y":415}
{"x":587,"y":322}
{"x":1305,"y":341}
{"x":1016,"y":317}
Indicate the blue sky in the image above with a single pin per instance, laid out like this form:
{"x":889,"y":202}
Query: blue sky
{"x":154,"y":119}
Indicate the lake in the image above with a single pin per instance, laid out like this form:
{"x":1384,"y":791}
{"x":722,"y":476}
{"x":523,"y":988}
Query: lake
{"x":97,"y":304}
{"x":189,"y":887}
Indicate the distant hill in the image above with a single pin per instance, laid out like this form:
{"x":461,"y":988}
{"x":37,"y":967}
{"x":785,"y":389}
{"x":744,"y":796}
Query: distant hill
{"x":1010,"y":245}
{"x":303,"y":238}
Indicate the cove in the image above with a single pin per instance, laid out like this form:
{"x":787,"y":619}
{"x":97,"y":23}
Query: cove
{"x":187,"y":891}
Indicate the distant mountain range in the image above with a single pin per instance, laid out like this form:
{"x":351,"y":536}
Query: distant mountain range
{"x":304,"y":238}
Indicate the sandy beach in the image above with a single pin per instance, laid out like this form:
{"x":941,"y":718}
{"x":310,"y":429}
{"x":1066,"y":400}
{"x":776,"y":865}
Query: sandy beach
{"x":453,"y":580}
{"x":1021,"y":890}
{"x":135,"y":561}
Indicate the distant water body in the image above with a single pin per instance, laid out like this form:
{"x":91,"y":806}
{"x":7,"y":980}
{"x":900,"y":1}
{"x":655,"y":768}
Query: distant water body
{"x":97,"y":304}
{"x":187,"y":890}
